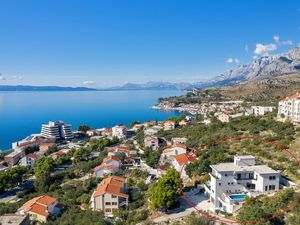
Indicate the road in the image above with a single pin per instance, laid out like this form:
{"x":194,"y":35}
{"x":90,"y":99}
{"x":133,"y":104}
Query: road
{"x":200,"y":201}
{"x":11,"y":194}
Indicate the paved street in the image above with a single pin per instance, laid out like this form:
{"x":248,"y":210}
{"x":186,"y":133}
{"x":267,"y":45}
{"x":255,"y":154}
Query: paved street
{"x":10,"y":195}
{"x":199,"y":200}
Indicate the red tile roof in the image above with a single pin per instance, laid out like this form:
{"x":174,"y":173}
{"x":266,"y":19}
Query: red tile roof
{"x":103,"y":165}
{"x":294,"y":96}
{"x":39,"y":205}
{"x":179,"y":146}
{"x":33,"y":156}
{"x":112,"y":157}
{"x":111,"y":185}
{"x":122,"y":148}
{"x":184,"y":158}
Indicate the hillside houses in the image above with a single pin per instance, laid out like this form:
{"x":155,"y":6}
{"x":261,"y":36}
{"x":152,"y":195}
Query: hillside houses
{"x":169,"y":125}
{"x":40,"y":208}
{"x":29,"y":160}
{"x":172,"y":151}
{"x":110,"y":165}
{"x":119,"y":131}
{"x":110,"y":194}
{"x":181,"y":160}
{"x":153,"y":130}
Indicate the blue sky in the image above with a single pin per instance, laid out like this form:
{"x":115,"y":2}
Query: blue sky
{"x":102,"y":43}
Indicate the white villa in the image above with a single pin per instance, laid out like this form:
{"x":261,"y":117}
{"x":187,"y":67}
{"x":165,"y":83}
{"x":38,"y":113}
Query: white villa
{"x":231,"y":183}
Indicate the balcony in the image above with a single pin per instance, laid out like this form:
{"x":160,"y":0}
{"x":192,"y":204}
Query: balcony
{"x":207,"y":188}
{"x":214,"y":176}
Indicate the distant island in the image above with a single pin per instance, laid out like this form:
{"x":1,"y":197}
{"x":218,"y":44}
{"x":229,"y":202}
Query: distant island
{"x":42,"y":88}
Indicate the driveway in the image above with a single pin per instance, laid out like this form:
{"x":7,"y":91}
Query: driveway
{"x":199,"y":200}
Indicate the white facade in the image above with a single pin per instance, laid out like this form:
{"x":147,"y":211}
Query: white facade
{"x":152,"y":130}
{"x":119,"y":131}
{"x":108,"y":166}
{"x":29,"y":160}
{"x":151,"y":142}
{"x":259,"y":110}
{"x":169,"y":125}
{"x":178,"y":140}
{"x":231,"y":183}
{"x":289,"y":108}
{"x":174,"y":150}
{"x":57,"y":130}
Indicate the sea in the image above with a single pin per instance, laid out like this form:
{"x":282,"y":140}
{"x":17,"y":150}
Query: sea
{"x":23,"y":113}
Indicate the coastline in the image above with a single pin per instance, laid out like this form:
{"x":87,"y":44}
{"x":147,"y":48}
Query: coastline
{"x":96,"y":108}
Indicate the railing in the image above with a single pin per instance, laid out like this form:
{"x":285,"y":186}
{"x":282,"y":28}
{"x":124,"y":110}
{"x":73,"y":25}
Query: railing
{"x":124,"y":203}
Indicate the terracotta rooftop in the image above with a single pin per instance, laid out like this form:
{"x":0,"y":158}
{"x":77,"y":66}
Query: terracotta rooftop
{"x":103,"y":165}
{"x":183,"y":158}
{"x":112,"y":157}
{"x":111,"y":185}
{"x":33,"y":156}
{"x":39,"y":205}
{"x":294,"y":96}
{"x":118,"y":148}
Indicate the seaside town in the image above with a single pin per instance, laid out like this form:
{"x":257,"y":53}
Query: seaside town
{"x":133,"y":174}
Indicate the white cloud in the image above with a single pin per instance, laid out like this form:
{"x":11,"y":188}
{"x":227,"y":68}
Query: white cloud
{"x":89,"y":82}
{"x":232,"y":60}
{"x":287,"y":42}
{"x":255,"y":57}
{"x":276,"y":38}
{"x":229,"y":60}
{"x":262,"y":49}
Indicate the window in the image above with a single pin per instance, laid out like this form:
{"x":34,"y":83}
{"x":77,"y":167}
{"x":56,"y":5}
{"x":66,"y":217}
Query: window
{"x":107,"y":210}
{"x":225,"y":174}
{"x":266,"y":188}
{"x":271,"y":187}
{"x":113,"y":196}
{"x":107,"y":203}
{"x":272,"y":177}
{"x":219,"y":184}
{"x":114,"y":203}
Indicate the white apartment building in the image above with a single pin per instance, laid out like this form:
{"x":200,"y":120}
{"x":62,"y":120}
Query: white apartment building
{"x":231,"y":183}
{"x":259,"y":110}
{"x":289,"y":108}
{"x":57,"y":130}
{"x":119,"y":131}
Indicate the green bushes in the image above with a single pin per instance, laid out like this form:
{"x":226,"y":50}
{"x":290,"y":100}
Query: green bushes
{"x":12,"y":177}
{"x":151,"y":157}
{"x":264,"y":207}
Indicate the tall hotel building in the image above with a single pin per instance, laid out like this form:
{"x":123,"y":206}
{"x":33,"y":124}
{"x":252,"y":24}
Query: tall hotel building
{"x":57,"y":130}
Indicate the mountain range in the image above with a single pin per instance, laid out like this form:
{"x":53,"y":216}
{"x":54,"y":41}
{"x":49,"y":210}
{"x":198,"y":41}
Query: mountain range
{"x":265,"y":66}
